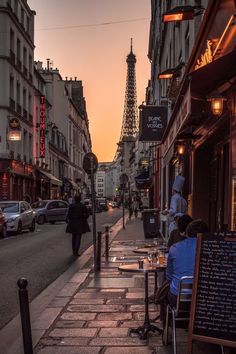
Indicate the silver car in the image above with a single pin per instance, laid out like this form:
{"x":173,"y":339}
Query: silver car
{"x":19,"y":216}
{"x":50,"y":211}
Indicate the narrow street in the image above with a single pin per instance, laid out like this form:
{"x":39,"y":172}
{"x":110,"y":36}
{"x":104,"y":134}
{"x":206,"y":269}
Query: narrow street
{"x":40,"y":257}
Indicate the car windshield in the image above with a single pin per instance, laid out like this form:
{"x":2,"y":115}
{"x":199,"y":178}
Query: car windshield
{"x":38,"y":205}
{"x":9,"y":207}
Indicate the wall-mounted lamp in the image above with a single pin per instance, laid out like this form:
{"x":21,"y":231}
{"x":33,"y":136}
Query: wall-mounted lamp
{"x":181,"y":148}
{"x":172,"y":72}
{"x":217,"y":103}
{"x":182,"y":13}
{"x":14,"y":132}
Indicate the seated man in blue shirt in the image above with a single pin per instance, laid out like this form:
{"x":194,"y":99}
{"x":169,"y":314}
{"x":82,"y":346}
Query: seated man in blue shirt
{"x":181,"y":258}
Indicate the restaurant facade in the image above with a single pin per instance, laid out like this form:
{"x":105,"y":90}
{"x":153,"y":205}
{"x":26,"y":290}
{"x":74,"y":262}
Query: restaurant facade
{"x":200,"y":140}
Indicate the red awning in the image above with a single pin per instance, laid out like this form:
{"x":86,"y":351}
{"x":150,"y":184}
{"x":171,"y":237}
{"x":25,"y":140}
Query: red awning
{"x":209,"y":77}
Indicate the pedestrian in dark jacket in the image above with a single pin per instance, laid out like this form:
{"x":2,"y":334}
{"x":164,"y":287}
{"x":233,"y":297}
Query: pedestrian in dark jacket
{"x":77,"y":223}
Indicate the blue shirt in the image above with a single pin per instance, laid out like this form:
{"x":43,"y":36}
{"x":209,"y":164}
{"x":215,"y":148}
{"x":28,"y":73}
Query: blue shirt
{"x":181,"y":261}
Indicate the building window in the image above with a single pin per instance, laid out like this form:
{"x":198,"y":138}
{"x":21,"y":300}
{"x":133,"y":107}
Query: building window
{"x":24,"y":98}
{"x":30,"y":107}
{"x":16,"y":7}
{"x":27,"y":24}
{"x":12,"y":40}
{"x":24,"y":56}
{"x":12,"y":87}
{"x":22,"y":16}
{"x":30,"y":145}
{"x":18,"y":49}
{"x":18,"y":93}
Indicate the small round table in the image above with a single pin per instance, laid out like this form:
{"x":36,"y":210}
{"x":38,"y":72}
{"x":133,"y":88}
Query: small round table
{"x":143,"y":330}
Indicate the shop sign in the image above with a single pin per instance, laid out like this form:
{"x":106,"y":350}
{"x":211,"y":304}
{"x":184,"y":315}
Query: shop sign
{"x":207,"y":56}
{"x":153,"y":121}
{"x":4,"y":187}
{"x":42,"y":126}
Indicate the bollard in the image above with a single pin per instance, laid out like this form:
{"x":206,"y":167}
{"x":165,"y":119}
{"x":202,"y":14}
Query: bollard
{"x":107,"y":242}
{"x":99,"y":247}
{"x":25,"y":315}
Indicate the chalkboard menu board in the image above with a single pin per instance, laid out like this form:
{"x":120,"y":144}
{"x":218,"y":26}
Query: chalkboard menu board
{"x":213,"y":310}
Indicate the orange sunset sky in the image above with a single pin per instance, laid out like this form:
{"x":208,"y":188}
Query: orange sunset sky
{"x":90,"y":39}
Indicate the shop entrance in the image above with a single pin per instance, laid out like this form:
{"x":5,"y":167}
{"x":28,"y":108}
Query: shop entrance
{"x":211,"y":184}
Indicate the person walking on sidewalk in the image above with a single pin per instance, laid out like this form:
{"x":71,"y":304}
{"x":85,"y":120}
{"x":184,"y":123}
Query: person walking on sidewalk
{"x":77,"y":223}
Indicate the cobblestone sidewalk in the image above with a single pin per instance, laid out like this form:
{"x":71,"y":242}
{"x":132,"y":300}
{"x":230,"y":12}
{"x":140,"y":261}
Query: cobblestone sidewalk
{"x":94,"y":312}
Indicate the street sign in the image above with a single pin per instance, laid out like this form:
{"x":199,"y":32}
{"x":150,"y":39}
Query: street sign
{"x":90,"y":163}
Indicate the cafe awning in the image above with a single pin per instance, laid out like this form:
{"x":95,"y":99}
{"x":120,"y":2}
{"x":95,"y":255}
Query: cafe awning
{"x":69,"y":184}
{"x":52,"y":178}
{"x":209,"y":77}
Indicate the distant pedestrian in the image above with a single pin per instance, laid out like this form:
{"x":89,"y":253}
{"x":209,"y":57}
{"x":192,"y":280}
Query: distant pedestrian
{"x":70,"y":199}
{"x":77,"y":223}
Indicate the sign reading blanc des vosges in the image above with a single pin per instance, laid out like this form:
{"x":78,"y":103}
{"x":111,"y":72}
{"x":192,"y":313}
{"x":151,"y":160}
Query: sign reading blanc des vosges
{"x":152,"y":123}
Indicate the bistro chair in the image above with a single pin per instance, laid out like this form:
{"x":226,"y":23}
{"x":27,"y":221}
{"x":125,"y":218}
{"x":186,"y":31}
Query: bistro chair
{"x":179,"y":313}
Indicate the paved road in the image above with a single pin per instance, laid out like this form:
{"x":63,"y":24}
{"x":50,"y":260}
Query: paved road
{"x":41,"y":257}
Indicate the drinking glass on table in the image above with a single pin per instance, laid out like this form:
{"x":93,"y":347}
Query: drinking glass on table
{"x":162,"y":258}
{"x":151,"y":257}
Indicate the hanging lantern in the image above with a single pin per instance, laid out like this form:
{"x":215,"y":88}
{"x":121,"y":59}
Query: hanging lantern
{"x":181,"y":148}
{"x":217,"y":103}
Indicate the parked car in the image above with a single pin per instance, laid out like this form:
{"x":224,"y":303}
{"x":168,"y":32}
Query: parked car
{"x":3,"y":226}
{"x":102,"y":203}
{"x":19,"y":216}
{"x":50,"y":211}
{"x":113,"y":204}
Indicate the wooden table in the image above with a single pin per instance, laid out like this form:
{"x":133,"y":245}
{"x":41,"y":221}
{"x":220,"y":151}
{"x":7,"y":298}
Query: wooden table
{"x":147,"y":269}
{"x":145,"y":250}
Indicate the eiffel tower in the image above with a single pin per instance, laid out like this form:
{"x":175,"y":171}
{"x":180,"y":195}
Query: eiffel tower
{"x":129,"y":128}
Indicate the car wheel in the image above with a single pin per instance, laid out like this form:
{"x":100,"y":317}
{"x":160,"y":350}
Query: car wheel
{"x":52,"y":222}
{"x":32,"y":227}
{"x":3,"y":233}
{"x":41,"y":219}
{"x":19,"y":230}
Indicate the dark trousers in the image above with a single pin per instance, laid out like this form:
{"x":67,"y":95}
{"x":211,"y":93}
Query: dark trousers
{"x":76,"y":240}
{"x":169,"y":299}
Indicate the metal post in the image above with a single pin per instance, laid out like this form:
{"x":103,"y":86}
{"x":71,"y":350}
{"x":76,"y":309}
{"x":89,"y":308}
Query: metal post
{"x":107,"y":242}
{"x":123,"y":207}
{"x":99,"y":247}
{"x":93,"y":215}
{"x":25,"y":315}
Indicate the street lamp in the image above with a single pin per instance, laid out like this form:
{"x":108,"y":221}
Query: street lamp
{"x":182,"y":13}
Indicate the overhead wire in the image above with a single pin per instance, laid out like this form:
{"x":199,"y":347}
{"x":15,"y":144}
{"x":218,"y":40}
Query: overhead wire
{"x":93,"y":24}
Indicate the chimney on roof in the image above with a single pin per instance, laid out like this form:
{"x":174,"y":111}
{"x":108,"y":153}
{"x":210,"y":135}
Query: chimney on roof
{"x":75,"y":78}
{"x":48,"y":64}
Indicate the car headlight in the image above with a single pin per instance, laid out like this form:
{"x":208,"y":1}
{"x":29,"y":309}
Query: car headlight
{"x":11,"y":219}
